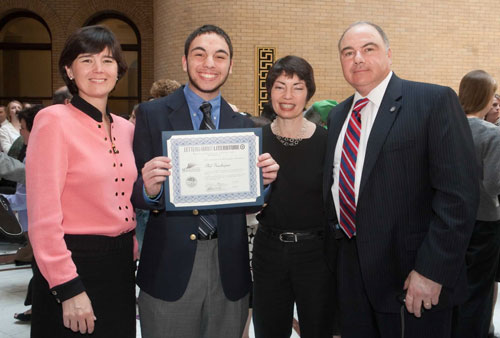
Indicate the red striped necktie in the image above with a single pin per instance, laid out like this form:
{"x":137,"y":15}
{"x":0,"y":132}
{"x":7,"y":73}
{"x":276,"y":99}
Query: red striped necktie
{"x":347,"y":174}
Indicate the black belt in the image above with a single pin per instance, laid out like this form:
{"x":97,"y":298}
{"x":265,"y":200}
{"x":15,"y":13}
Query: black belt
{"x":207,"y":238}
{"x":292,"y":236}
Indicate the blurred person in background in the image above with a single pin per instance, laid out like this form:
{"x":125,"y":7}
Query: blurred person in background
{"x":62,"y":96}
{"x":9,"y":130}
{"x":163,"y":87}
{"x":493,"y":115}
{"x":472,"y":318}
{"x":18,"y":203}
{"x":12,"y":109}
{"x":132,"y":116}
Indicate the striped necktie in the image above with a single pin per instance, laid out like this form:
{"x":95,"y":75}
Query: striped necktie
{"x":208,"y":218}
{"x":207,"y":225}
{"x":347,"y":174}
{"x":206,"y":123}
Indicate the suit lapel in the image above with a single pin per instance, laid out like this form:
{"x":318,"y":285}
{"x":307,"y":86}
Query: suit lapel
{"x":387,"y":113}
{"x":180,"y":117}
{"x":226,"y":115}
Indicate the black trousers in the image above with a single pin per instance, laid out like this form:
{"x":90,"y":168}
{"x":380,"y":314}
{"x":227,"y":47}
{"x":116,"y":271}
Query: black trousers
{"x":107,"y":268}
{"x":285,"y":273}
{"x":360,"y":320}
{"x":472,"y":319}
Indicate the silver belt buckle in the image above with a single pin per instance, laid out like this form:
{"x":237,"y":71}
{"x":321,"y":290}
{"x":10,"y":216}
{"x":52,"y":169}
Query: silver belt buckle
{"x":294,"y":240}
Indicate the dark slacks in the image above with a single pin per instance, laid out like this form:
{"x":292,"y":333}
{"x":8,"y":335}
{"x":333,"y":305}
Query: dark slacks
{"x":360,"y":320}
{"x":472,"y":319}
{"x":285,"y":273}
{"x":107,"y":268}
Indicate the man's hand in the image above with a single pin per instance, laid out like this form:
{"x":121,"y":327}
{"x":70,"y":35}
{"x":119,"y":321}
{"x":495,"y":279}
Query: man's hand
{"x":269,"y":168}
{"x":154,"y":173}
{"x":420,"y":289}
{"x":78,"y":314}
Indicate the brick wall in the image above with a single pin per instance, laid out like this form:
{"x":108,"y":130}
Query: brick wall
{"x":432,"y":41}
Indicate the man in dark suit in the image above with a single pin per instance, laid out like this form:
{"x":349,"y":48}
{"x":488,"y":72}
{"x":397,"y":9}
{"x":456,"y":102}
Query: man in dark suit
{"x":193,"y":283}
{"x":401,"y":194}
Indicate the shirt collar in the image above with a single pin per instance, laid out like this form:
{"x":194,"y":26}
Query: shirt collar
{"x":89,"y":109}
{"x":377,"y":94}
{"x":194,"y":102}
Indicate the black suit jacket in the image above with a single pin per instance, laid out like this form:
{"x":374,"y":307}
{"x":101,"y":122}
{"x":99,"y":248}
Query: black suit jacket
{"x":418,"y":193}
{"x":168,"y":251}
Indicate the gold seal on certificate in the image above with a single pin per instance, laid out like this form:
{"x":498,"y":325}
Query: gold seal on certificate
{"x":213,"y":168}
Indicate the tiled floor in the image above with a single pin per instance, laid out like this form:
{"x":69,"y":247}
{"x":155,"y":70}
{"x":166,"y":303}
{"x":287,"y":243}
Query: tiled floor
{"x":13,"y":283}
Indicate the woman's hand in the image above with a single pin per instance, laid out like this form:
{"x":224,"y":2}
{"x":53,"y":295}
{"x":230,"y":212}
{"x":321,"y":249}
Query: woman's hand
{"x":78,"y":314}
{"x":154,"y":173}
{"x":269,"y":168}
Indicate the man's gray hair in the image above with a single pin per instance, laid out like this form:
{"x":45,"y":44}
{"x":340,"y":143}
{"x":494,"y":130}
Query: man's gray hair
{"x":377,"y":27}
{"x":61,"y":95}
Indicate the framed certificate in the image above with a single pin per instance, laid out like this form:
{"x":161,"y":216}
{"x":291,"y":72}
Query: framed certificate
{"x":213,"y":168}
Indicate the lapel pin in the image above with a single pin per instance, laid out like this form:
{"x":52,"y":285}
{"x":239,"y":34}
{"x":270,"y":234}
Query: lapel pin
{"x":393,"y":108}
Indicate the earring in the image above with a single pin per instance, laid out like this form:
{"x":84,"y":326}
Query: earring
{"x":70,"y":78}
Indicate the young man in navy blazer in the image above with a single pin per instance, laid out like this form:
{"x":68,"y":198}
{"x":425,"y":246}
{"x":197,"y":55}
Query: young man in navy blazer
{"x":191,"y":286}
{"x":414,"y":196}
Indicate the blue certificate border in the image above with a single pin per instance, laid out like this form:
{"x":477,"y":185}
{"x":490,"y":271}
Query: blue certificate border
{"x":256,"y":190}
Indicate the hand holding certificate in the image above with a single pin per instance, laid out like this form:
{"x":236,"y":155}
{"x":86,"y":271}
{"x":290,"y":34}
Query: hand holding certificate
{"x":154,"y":173}
{"x":215,"y":169}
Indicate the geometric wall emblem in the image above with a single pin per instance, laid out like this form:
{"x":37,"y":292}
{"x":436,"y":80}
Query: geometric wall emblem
{"x":264,"y":59}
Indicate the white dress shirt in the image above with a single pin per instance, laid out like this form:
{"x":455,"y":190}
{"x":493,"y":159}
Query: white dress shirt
{"x":8,"y":134}
{"x":368,"y":115}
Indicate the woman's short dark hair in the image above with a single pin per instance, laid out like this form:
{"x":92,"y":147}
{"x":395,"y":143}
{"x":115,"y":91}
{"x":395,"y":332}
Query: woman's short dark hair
{"x":476,"y":90}
{"x":28,"y":115}
{"x":93,"y":40}
{"x":292,"y":65}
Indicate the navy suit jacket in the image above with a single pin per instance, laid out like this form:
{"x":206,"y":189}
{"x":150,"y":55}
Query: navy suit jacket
{"x":418,"y":193}
{"x":168,"y":251}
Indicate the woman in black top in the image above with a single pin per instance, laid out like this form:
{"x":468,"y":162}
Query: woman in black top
{"x":289,"y":263}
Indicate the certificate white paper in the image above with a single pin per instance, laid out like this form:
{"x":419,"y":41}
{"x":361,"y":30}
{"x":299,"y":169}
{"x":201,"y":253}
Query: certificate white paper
{"x":213,"y":169}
